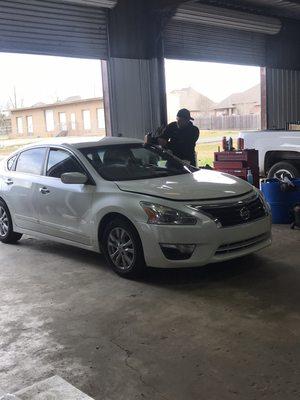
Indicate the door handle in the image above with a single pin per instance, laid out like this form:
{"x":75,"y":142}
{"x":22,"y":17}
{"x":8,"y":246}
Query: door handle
{"x":44,"y":190}
{"x":9,"y":181}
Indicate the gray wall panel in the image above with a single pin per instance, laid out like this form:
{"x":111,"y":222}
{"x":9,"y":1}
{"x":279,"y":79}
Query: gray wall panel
{"x":53,"y":28}
{"x":135,"y":101}
{"x":283,"y":97}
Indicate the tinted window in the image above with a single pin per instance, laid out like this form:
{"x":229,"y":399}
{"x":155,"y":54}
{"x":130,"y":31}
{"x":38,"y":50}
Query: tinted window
{"x":60,"y":162}
{"x":10,"y":162}
{"x":31,"y":161}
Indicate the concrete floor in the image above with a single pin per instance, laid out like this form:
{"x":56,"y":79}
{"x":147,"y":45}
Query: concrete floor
{"x":228,"y":331}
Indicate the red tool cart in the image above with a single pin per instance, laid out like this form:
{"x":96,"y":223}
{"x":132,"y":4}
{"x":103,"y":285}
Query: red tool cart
{"x":238,"y":163}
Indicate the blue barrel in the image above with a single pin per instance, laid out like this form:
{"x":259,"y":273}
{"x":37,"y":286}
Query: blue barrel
{"x":281,"y":203}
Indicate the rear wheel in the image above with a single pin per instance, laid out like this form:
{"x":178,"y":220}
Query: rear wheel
{"x":123,"y":249}
{"x":7,"y":235}
{"x":284,"y":169}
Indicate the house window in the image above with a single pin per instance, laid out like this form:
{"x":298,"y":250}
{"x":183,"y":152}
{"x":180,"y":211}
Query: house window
{"x":49,"y":116}
{"x":101,"y":118}
{"x":86,"y":119}
{"x":29,"y":124}
{"x":73,"y":121}
{"x":20,"y":125}
{"x":63,"y":121}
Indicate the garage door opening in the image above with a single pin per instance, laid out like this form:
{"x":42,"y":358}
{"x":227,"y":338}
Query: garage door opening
{"x":47,"y":96}
{"x":224,"y":99}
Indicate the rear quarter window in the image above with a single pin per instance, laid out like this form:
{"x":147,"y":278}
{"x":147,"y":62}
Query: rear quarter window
{"x":10,"y":162}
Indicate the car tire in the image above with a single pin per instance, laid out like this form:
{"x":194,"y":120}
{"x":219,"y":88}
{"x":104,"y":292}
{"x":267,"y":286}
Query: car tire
{"x":7,"y":235}
{"x":282,"y":169}
{"x":123,"y":249}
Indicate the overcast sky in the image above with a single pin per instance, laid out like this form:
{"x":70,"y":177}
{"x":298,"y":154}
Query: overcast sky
{"x":46,"y":79}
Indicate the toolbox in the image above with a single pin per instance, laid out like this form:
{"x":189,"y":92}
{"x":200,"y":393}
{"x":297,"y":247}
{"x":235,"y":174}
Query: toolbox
{"x":238,"y":163}
{"x":229,"y":165}
{"x":249,"y":157}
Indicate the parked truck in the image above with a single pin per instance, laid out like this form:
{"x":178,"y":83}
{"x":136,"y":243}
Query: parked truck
{"x":279,"y":152}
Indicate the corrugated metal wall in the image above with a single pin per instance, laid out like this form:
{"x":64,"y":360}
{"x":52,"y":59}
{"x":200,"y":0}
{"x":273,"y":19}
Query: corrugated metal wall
{"x":283,"y":97}
{"x":53,"y":28}
{"x":190,"y":41}
{"x":135,"y":100}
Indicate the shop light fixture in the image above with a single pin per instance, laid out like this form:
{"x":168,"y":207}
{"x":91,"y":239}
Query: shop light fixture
{"x":94,"y":3}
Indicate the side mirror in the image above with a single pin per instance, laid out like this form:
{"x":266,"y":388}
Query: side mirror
{"x":74,"y":178}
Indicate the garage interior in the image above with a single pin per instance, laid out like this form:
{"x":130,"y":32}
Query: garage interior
{"x":228,"y":331}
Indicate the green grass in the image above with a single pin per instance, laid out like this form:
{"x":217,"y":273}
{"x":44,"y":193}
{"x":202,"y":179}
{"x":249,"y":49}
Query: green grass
{"x":216,"y":134}
{"x":205,"y":152}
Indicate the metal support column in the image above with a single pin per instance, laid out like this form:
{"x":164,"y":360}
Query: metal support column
{"x":134,"y":75}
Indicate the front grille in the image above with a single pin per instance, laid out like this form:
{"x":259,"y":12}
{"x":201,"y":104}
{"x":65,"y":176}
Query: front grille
{"x":238,"y":213}
{"x":243,"y":245}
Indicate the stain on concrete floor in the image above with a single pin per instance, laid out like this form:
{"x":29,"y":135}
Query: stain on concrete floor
{"x":227,"y":331}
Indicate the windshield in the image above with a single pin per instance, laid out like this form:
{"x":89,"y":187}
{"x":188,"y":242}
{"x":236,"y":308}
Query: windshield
{"x":134,"y":161}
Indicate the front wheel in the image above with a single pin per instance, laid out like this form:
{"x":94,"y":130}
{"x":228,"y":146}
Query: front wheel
{"x":123,"y":249}
{"x":7,"y":235}
{"x":283,"y":169}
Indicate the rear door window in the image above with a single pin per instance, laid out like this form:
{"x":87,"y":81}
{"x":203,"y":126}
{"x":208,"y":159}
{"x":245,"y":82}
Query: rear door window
{"x":31,"y":161}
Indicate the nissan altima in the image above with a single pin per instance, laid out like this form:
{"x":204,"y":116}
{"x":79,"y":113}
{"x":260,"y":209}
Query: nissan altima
{"x":137,"y":204}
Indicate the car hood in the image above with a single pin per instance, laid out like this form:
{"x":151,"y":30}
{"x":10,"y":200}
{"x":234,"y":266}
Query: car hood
{"x":201,"y":185}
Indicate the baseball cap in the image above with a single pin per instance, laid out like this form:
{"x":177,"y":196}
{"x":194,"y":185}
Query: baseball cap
{"x":184,"y":113}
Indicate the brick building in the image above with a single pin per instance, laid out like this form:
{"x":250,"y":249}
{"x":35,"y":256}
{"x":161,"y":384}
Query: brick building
{"x":72,"y":117}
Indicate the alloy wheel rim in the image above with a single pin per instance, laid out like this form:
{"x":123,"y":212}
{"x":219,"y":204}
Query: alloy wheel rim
{"x":4,"y":223}
{"x":283,"y":173}
{"x":121,"y":249}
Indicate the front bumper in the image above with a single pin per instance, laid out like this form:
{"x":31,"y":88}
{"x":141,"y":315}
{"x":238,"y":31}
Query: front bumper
{"x":212,"y":244}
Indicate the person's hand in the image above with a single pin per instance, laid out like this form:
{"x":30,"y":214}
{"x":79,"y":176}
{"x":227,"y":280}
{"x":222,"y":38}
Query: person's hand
{"x":162,"y":142}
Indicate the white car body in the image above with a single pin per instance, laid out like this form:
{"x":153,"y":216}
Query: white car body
{"x":273,"y":147}
{"x":72,"y":214}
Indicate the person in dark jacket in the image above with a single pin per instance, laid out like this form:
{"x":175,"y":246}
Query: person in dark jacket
{"x":181,"y":137}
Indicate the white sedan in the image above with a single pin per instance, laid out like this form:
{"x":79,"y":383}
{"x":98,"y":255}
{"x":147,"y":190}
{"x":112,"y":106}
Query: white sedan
{"x":136,"y":203}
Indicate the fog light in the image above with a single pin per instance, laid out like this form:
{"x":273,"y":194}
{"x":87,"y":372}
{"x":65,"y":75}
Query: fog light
{"x":177,"y":251}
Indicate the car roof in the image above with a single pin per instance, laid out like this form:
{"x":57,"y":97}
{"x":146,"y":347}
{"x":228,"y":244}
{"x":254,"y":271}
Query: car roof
{"x":81,"y":142}
{"x":106,"y":141}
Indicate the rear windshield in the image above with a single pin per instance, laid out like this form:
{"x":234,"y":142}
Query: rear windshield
{"x":134,"y":162}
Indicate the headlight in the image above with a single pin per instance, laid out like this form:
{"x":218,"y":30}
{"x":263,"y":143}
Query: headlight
{"x":161,"y":215}
{"x":264,"y":201}
{"x":266,"y":204}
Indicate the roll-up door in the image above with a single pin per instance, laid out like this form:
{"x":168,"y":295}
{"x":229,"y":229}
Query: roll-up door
{"x":209,"y":33}
{"x":192,"y":41}
{"x":52,"y":27}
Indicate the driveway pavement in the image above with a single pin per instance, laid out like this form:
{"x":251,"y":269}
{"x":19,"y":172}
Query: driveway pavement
{"x":16,"y":142}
